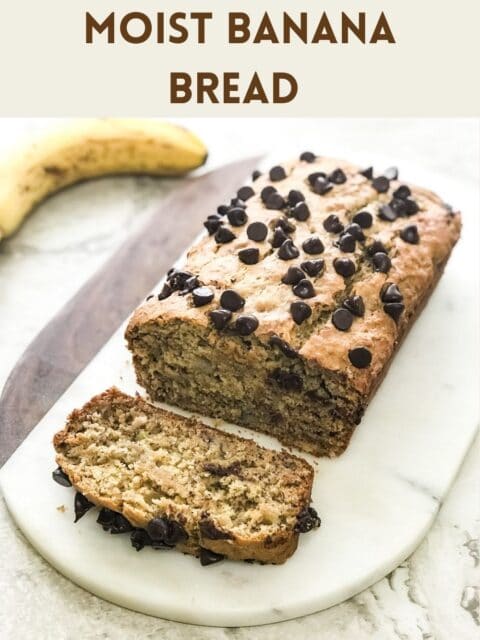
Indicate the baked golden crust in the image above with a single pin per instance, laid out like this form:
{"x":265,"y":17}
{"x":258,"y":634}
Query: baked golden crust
{"x":414,"y":269}
{"x":101,"y":452}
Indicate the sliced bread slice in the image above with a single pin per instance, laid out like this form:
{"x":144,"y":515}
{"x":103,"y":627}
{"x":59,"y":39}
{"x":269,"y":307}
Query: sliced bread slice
{"x":172,"y":481}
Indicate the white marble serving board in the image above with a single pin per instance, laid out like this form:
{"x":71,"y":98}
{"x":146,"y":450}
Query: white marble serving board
{"x":376,"y":501}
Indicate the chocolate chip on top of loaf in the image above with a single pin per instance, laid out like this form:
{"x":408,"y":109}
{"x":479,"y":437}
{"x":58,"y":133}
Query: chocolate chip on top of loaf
{"x":311,"y":252}
{"x":172,"y":482}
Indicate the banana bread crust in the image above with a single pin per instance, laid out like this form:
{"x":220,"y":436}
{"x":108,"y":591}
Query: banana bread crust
{"x":412,"y":228}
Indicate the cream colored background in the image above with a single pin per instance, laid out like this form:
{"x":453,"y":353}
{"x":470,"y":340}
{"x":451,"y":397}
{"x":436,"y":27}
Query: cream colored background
{"x":46,"y":69}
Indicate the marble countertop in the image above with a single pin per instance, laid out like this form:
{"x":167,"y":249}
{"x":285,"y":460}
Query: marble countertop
{"x":435,"y":594}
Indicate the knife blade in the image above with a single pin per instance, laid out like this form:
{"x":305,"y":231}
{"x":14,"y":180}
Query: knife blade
{"x":72,"y":338}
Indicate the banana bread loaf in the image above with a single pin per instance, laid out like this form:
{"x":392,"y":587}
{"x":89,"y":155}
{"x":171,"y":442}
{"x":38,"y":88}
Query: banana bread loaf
{"x":287,"y":314}
{"x":171,"y":481}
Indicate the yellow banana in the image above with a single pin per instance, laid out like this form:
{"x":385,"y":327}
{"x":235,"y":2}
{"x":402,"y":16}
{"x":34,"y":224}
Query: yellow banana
{"x":87,"y":149}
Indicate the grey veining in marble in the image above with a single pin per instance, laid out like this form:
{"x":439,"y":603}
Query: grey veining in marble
{"x":435,"y":594}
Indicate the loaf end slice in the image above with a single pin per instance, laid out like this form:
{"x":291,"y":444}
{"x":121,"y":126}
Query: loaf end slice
{"x":211,"y":492}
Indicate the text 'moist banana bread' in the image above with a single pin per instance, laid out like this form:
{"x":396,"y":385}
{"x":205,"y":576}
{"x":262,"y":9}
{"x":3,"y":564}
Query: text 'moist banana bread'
{"x":171,"y":481}
{"x":286,"y":316}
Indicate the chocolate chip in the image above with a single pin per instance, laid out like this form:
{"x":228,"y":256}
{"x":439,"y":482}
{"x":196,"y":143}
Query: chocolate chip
{"x":217,"y":470}
{"x":313,"y":245}
{"x":278,"y":238}
{"x":182,"y":281}
{"x":402,"y":192}
{"x":287,"y":380}
{"x":399,"y":206}
{"x":208,"y":557}
{"x":355,"y":230}
{"x":367,"y":173}
{"x":376,"y":247}
{"x":344,"y":267}
{"x":332,"y":224}
{"x":390,"y":293}
{"x":224,"y":235}
{"x":191,"y":283}
{"x":114,"y":522}
{"x":307,"y":520}
{"x":410,"y":234}
{"x":106,"y":518}
{"x":288,"y":251}
{"x":308,"y":156}
{"x":300,"y":311}
{"x":275,"y":202}
{"x":284,"y":223}
{"x":251,"y":255}
{"x":61,"y":477}
{"x":231,"y":300}
{"x":385,"y":212}
{"x":202,"y":296}
{"x":121,"y":525}
{"x":266,"y":192}
{"x":220,"y":318}
{"x":364,"y":219}
{"x":394,"y":309}
{"x":294,"y":197}
{"x":284,"y":347}
{"x":166,"y":531}
{"x":293,"y":276}
{"x":81,"y":506}
{"x":360,"y":357}
{"x":246,"y":324}
{"x":342,"y":319}
{"x":177,"y":279}
{"x":337,"y":177}
{"x":212,"y":224}
{"x":381,"y":184}
{"x":381,"y":262}
{"x":304,"y":289}
{"x":157,"y":529}
{"x":237,"y":216}
{"x":277,"y":173}
{"x":209,"y":530}
{"x":257,"y":231}
{"x":175,"y":533}
{"x":322,"y":186}
{"x":222,"y":210}
{"x":140,"y":539}
{"x":165,"y":292}
{"x":301,"y":212}
{"x":244,"y":193}
{"x":346,"y":243}
{"x":313,"y":267}
{"x":312,"y":178}
{"x":256,"y":174}
{"x":355,"y":305}
{"x":412,"y":207}
{"x":391,"y":173}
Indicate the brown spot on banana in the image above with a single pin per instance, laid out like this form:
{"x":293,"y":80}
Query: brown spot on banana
{"x":53,"y":170}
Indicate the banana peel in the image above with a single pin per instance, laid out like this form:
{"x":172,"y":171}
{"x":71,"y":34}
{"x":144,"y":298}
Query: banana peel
{"x":89,"y":149}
